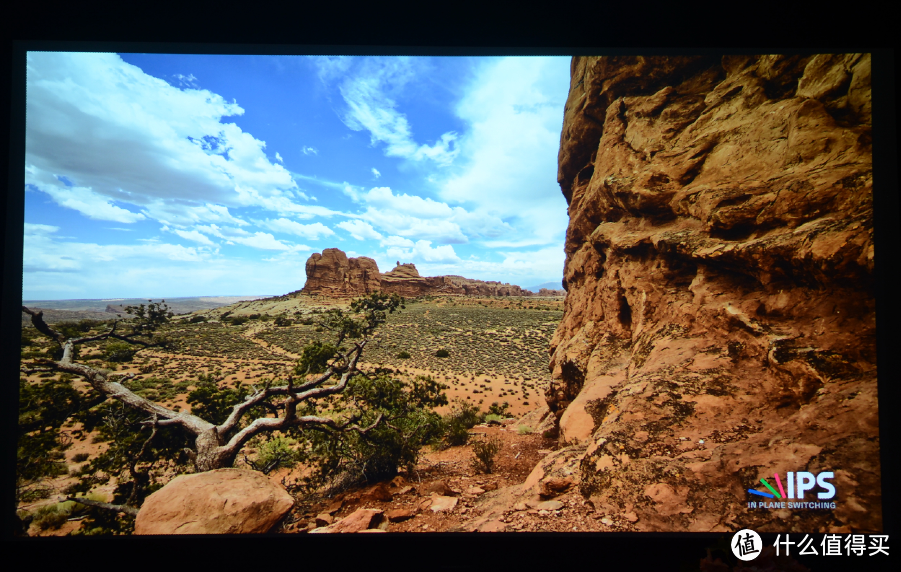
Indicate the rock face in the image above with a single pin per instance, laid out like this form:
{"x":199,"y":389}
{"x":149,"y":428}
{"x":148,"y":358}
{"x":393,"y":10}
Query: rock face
{"x":719,"y":322}
{"x":224,"y":501}
{"x":335,"y":275}
{"x":332,"y":273}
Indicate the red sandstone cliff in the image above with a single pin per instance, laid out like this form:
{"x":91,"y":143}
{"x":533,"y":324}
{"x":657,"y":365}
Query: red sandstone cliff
{"x":719,"y":269}
{"x":333,"y":274}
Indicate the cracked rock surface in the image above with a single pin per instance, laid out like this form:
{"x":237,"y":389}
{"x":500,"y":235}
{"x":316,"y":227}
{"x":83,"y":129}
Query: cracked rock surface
{"x":719,"y":322}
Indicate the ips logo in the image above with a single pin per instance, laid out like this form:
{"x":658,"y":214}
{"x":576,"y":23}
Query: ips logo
{"x":798,"y":484}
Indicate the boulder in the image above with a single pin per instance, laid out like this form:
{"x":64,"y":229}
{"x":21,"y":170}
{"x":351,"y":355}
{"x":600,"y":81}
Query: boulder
{"x":399,"y":514}
{"x":223,"y":501}
{"x":379,"y":492}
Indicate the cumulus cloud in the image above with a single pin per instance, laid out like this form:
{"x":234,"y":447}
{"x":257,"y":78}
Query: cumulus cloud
{"x":376,"y":173}
{"x":313,"y":231}
{"x":359,"y":230}
{"x":422,"y":251}
{"x":150,"y":142}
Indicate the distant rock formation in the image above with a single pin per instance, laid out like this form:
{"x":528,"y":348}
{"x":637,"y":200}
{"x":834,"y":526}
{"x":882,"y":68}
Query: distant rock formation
{"x":335,"y":275}
{"x":719,"y":323}
{"x":547,"y":292}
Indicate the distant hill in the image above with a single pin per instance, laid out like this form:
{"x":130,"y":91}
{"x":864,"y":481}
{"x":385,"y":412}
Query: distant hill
{"x":105,"y":309}
{"x":549,"y":285}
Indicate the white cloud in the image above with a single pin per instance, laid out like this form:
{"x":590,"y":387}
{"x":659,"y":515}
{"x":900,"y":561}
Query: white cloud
{"x":376,"y":173}
{"x":279,"y":158}
{"x":313,"y":231}
{"x":263,"y":241}
{"x":422,"y":251}
{"x":508,"y":154}
{"x":148,"y":143}
{"x":309,"y":151}
{"x":195,"y":236}
{"x":369,"y":87}
{"x":397,"y":241}
{"x":39,"y":229}
{"x":359,"y":230}
{"x":81,"y":199}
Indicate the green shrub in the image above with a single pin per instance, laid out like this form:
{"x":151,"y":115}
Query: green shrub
{"x":314,"y":358}
{"x":282,"y":321}
{"x":403,"y":355}
{"x":237,"y":320}
{"x":274,"y":453}
{"x":80,"y":458}
{"x":485,"y":451}
{"x":523,"y":430}
{"x":53,"y":516}
{"x":442,"y":353}
{"x":197,"y":319}
{"x":499,"y":410}
{"x":351,"y":457}
{"x":493,"y":418}
{"x":462,"y":417}
{"x":119,"y":351}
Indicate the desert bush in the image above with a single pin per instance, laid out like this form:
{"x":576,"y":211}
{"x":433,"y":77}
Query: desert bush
{"x":119,"y":351}
{"x":409,"y":424}
{"x":523,"y":430}
{"x":485,"y":451}
{"x":282,"y":321}
{"x":403,"y":355}
{"x":275,"y":452}
{"x":442,"y":353}
{"x":52,"y":516}
{"x":462,"y":417}
{"x":499,"y":410}
{"x":80,"y":458}
{"x":197,"y":319}
{"x":237,"y":320}
{"x":493,"y":418}
{"x":315,"y":357}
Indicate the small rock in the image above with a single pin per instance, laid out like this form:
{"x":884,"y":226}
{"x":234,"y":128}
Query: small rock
{"x":440,"y":488}
{"x":399,"y":514}
{"x":550,"y":505}
{"x":520,"y":506}
{"x":606,"y":521}
{"x":630,"y":516}
{"x":379,"y":492}
{"x":404,"y":490}
{"x":553,"y":487}
{"x":474,"y":491}
{"x":333,"y":508}
{"x":425,"y":504}
{"x":490,"y":486}
{"x":443,"y":504}
{"x":492,"y":526}
{"x":323,"y":519}
{"x":360,"y":519}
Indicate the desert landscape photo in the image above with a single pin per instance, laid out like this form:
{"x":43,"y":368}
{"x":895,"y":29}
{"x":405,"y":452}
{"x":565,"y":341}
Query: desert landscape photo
{"x":333,"y":294}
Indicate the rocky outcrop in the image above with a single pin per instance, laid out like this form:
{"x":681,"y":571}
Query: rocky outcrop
{"x":223,"y":501}
{"x":546,"y":292}
{"x":333,"y":274}
{"x":719,"y":322}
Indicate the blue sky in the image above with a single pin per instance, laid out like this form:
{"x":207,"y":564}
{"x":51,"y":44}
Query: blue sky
{"x":191,"y":175}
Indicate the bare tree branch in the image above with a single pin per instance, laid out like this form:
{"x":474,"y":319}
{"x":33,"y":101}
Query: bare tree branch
{"x":130,"y":510}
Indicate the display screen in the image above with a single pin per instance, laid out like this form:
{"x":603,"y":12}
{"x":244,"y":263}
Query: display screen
{"x":319,"y":294}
